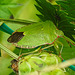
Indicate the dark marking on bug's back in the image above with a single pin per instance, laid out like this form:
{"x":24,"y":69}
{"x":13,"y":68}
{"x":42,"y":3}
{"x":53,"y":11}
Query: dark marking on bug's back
{"x":15,"y":37}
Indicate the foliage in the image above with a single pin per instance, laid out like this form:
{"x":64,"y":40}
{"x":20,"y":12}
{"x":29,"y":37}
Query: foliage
{"x":61,"y":14}
{"x":58,"y":16}
{"x":37,"y":61}
{"x":68,"y":6}
{"x":4,"y":66}
{"x":4,"y":11}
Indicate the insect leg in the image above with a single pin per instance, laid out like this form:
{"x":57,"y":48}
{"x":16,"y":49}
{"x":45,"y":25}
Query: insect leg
{"x":46,"y":47}
{"x":29,"y":53}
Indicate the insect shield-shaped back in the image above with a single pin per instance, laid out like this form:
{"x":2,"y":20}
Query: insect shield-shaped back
{"x":35,"y":35}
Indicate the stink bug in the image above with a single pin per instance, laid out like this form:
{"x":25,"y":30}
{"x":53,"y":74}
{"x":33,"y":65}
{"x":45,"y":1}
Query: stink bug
{"x":35,"y":35}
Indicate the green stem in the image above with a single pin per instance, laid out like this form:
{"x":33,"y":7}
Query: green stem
{"x":17,"y":21}
{"x":9,"y":52}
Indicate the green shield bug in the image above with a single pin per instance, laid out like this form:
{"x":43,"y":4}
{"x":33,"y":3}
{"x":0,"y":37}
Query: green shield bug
{"x":36,"y":34}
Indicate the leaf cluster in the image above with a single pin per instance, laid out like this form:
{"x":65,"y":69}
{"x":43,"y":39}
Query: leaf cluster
{"x":60,"y":14}
{"x":4,"y":11}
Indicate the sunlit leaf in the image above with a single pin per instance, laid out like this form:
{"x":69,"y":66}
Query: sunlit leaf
{"x":4,"y":64}
{"x":4,"y":11}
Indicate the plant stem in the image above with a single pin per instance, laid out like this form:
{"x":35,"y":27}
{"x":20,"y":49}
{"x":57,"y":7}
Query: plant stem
{"x":26,"y":22}
{"x":10,"y":53}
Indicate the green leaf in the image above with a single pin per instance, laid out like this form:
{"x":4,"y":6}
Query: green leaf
{"x":65,"y":24}
{"x":4,"y":11}
{"x":71,"y":72}
{"x":10,"y":5}
{"x":36,"y":63}
{"x":24,"y":67}
{"x":27,"y":11}
{"x":57,"y":72}
{"x":50,"y":59}
{"x":48,"y":11}
{"x":68,"y":6}
{"x":5,"y":3}
{"x":4,"y":64}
